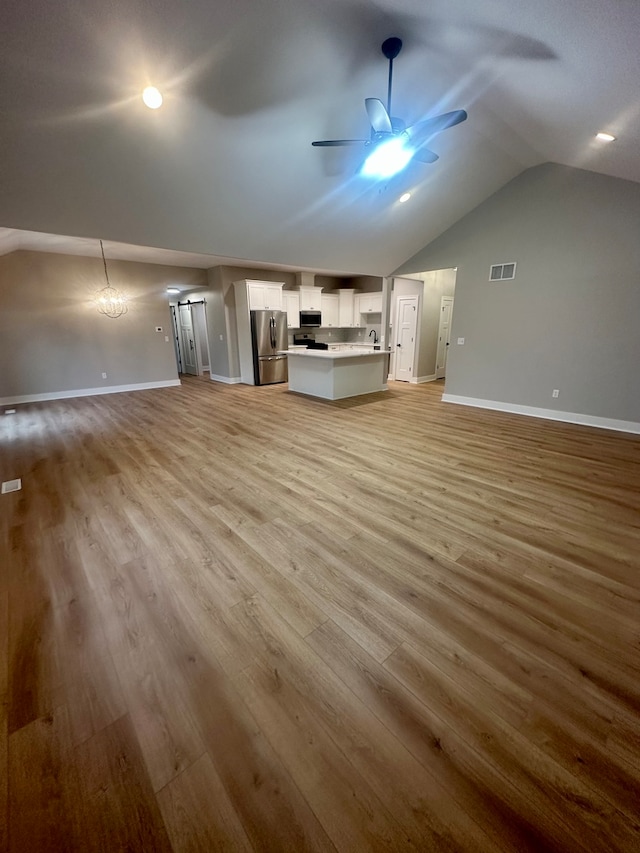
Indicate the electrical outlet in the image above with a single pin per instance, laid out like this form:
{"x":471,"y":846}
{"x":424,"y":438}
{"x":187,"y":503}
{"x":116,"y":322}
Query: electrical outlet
{"x":460,"y":342}
{"x":166,"y":337}
{"x":104,"y":375}
{"x":555,"y":392}
{"x":221,"y":337}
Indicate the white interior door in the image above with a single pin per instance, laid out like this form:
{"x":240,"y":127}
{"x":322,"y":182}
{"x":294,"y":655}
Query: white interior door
{"x":188,"y":347}
{"x":405,"y":337}
{"x":444,"y":335}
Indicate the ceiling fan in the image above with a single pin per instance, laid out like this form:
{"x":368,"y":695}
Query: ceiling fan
{"x":392,"y":144}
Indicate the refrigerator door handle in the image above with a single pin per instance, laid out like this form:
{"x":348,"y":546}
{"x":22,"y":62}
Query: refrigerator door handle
{"x":272,"y":331}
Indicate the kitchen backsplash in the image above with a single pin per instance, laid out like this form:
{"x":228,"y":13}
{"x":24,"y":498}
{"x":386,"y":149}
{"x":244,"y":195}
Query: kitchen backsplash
{"x":337,"y":336}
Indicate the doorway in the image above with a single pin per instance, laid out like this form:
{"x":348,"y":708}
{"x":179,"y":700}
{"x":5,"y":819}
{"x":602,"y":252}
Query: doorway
{"x":406,"y":325}
{"x":199,"y":321}
{"x":444,"y":335}
{"x":191,"y":338}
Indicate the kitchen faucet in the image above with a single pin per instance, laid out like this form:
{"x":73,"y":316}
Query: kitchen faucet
{"x":375,"y":336}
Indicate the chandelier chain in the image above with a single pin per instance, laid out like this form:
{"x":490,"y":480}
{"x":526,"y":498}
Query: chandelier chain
{"x":106,"y":274}
{"x":110,"y":302}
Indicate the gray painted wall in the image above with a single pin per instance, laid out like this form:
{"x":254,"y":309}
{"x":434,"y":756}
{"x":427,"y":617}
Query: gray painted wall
{"x":216,"y":319}
{"x":52,"y":338}
{"x":571,"y":318}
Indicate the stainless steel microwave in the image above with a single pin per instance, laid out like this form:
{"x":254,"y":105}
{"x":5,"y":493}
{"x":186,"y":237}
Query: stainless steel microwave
{"x":310,"y":318}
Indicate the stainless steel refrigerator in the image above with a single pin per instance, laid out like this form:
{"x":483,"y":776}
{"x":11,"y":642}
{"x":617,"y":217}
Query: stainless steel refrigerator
{"x":268,"y":335}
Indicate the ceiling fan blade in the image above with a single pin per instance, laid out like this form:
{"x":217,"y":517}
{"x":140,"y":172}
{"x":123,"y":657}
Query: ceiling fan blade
{"x":423,"y":130}
{"x":334,"y":143}
{"x":378,"y":115}
{"x":425,"y":156}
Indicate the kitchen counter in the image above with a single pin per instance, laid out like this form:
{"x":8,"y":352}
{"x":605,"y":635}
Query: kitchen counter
{"x":324,"y":353}
{"x":334,"y":375}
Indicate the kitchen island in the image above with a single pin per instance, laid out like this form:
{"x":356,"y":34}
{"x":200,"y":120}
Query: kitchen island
{"x":334,"y":375}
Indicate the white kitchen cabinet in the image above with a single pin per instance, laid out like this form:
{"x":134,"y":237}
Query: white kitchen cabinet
{"x":369,"y":303}
{"x":347,"y":317}
{"x":330,"y":310}
{"x":292,"y":307}
{"x":264,"y":295}
{"x":310,"y":298}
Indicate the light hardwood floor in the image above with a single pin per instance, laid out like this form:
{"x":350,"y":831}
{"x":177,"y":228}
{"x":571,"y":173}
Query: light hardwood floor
{"x":234,"y":618}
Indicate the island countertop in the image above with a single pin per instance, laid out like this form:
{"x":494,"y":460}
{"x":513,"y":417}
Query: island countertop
{"x":336,"y":374}
{"x":332,"y":354}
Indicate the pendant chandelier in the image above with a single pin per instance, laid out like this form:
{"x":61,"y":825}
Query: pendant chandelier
{"x":110,"y":302}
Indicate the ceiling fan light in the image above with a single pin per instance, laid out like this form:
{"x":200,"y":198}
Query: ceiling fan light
{"x":152,"y":98}
{"x":387,"y":159}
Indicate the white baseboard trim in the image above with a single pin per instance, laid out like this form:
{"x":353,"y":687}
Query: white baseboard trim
{"x":228,"y":380}
{"x":87,"y":392}
{"x":547,"y":414}
{"x":418,"y":380}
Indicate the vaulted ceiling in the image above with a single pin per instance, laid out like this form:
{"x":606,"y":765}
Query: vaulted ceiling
{"x":226,"y":169}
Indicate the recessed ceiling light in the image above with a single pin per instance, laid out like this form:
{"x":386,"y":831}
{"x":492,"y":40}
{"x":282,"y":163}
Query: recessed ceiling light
{"x":605,"y":137}
{"x":152,"y":97}
{"x":173,"y":290}
{"x":404,"y":197}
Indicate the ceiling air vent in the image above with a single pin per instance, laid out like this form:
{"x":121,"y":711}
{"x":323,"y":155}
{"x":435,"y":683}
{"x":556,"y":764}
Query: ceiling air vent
{"x":502,"y":272}
{"x":11,"y":486}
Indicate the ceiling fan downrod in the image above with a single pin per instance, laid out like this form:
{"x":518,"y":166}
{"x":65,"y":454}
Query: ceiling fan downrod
{"x":391,"y":47}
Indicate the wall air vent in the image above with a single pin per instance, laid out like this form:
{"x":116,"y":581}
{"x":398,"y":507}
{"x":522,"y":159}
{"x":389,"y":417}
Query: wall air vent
{"x":502,"y":272}
{"x":11,"y":486}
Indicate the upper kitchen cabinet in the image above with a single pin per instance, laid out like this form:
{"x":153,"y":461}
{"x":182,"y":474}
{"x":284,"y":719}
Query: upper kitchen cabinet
{"x":347,"y":309}
{"x":310,"y":298}
{"x":291,"y":300}
{"x":330,"y":310}
{"x":369,"y":303}
{"x":265,"y":295}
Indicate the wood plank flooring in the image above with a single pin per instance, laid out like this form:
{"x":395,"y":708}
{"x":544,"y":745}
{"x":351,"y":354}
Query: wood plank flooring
{"x":236,"y":618}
